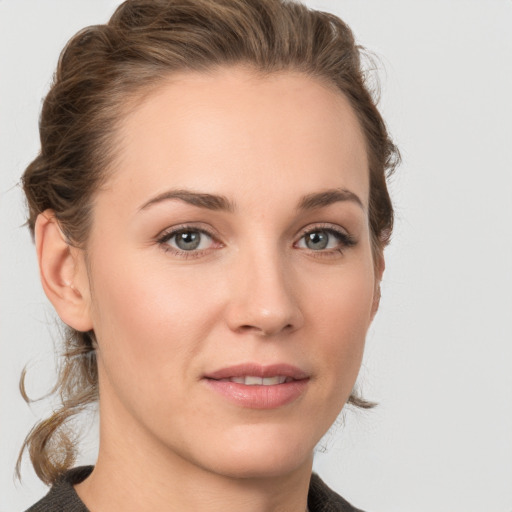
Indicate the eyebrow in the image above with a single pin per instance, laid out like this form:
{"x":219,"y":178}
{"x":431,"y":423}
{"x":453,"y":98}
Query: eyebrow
{"x":328,"y":197}
{"x":222,"y":203}
{"x":202,"y":200}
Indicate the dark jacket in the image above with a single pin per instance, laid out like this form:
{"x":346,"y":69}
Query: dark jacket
{"x":63,"y":498}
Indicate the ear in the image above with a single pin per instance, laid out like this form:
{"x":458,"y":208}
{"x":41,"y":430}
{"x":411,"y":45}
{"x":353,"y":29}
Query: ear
{"x":379,"y":271}
{"x":63,"y":273}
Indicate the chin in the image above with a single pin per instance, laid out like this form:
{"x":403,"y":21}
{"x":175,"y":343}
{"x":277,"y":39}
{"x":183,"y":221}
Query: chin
{"x":243,"y":467}
{"x":262,"y":454}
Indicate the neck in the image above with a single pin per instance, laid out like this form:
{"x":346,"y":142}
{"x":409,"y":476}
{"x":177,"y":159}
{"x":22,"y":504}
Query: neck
{"x":138,"y":474}
{"x":132,"y":485}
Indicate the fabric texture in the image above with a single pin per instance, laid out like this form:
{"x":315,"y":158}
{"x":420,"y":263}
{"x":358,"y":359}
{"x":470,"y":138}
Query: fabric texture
{"x":63,"y":498}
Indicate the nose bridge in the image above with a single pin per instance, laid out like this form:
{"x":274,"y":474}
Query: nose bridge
{"x":263,"y":299}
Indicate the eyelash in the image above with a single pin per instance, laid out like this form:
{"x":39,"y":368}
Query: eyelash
{"x":344,"y":239}
{"x":168,"y":235}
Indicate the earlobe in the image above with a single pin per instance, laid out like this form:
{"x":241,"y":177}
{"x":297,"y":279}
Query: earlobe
{"x":61,"y":268}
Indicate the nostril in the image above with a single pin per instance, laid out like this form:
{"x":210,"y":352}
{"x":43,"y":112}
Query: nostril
{"x":250,"y":328}
{"x":264,"y":331}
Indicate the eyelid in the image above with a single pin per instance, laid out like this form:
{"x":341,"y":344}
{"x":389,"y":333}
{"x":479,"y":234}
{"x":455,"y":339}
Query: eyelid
{"x":325,"y":227}
{"x":345,"y":238}
{"x":164,"y":236}
{"x":168,"y":232}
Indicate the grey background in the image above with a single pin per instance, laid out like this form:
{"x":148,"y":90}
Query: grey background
{"x":439,"y":353}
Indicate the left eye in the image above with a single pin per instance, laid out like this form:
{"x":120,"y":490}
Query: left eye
{"x":321,"y":239}
{"x":189,"y":240}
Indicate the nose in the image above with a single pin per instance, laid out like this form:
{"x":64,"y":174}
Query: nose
{"x":264,"y":296}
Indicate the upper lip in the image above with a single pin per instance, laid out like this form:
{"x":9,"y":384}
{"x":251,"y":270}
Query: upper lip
{"x":258,"y":370}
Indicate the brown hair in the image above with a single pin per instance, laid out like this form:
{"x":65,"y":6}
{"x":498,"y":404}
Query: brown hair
{"x":104,"y":66}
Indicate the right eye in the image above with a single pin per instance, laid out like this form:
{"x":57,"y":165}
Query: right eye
{"x":185,"y":240}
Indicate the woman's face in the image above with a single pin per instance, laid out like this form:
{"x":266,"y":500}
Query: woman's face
{"x":230,"y":251}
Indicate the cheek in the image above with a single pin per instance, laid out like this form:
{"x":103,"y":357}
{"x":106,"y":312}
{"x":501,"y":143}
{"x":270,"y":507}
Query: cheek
{"x":340,"y":315}
{"x":147,"y":319}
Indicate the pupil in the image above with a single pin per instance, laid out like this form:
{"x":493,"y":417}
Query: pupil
{"x":317,"y":240}
{"x":188,"y":240}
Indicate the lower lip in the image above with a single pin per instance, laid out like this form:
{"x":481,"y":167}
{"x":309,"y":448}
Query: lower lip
{"x":259,"y":397}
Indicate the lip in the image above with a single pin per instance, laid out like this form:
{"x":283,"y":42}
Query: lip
{"x":258,"y":370}
{"x":258,"y":396}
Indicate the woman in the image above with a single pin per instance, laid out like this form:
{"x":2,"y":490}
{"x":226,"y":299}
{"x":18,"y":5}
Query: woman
{"x":210,"y":212}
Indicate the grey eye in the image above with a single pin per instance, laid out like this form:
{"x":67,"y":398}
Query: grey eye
{"x":317,"y":240}
{"x":189,"y":240}
{"x":324,"y":240}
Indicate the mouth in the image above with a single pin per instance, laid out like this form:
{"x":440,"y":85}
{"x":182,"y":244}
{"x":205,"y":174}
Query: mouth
{"x":254,"y":374}
{"x":252,"y":380}
{"x":259,"y":387}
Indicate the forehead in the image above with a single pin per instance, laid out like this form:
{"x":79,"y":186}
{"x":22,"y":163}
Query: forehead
{"x":234,"y":131}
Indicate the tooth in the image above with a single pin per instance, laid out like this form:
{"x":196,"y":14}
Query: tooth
{"x":270,"y":381}
{"x":253,"y":381}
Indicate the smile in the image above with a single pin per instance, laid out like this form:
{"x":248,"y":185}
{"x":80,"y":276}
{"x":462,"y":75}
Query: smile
{"x":256,"y":386}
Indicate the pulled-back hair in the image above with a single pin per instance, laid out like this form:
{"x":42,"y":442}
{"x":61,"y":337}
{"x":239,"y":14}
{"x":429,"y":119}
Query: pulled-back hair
{"x":105,"y":68}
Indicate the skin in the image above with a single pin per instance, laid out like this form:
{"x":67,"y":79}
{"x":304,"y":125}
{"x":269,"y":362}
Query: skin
{"x":253,"y":292}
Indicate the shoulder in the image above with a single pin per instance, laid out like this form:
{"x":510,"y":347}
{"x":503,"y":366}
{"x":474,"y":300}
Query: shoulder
{"x":323,"y":499}
{"x":62,"y":496}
